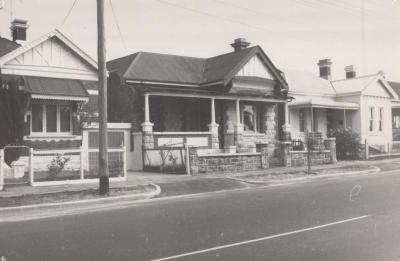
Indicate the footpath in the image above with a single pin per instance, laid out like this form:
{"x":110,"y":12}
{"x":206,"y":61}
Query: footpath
{"x":146,"y":186}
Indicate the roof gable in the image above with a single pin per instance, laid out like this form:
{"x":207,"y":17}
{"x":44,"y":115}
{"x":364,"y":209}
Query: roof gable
{"x":52,"y":55}
{"x":255,"y":67}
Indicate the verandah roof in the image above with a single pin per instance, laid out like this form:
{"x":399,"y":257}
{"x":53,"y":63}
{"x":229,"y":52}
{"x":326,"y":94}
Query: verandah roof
{"x":315,"y":103}
{"x":55,"y":88}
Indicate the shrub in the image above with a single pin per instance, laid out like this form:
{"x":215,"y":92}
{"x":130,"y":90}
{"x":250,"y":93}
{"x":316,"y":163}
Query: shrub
{"x":116,"y":169}
{"x":348,"y":143}
{"x":57,"y":164}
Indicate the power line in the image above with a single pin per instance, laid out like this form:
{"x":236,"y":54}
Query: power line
{"x":228,"y":20}
{"x":69,"y":12}
{"x":117,"y":24}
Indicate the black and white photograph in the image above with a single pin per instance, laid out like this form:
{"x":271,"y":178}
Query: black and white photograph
{"x":231,"y":130}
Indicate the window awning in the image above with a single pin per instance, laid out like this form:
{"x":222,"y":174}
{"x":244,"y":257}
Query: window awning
{"x":314,"y":103}
{"x":55,"y":89}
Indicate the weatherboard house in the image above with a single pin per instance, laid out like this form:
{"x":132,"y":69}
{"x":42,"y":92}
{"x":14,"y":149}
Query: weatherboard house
{"x":363,"y":104}
{"x":230,"y":107}
{"x":49,"y":88}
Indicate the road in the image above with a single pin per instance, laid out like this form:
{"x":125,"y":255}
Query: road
{"x":346,"y":218}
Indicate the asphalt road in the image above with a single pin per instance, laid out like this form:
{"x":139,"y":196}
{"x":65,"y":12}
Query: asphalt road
{"x":347,"y":218}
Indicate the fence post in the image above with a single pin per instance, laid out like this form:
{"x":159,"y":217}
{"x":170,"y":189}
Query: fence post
{"x":1,"y":169}
{"x":31,"y":179}
{"x":124,"y":161}
{"x":81,"y":165}
{"x":187,"y":159}
{"x":366,"y":149}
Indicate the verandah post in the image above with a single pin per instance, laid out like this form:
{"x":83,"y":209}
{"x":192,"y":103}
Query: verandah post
{"x":1,"y":169}
{"x":31,"y":178}
{"x":81,"y":165}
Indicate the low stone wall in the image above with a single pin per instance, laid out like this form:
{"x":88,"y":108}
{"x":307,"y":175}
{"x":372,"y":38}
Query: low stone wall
{"x":232,"y":162}
{"x":299,"y":158}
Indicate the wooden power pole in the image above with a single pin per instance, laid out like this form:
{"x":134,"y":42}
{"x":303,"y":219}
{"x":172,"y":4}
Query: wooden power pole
{"x":102,"y":71}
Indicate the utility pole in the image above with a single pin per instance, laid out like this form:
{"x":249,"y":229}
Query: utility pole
{"x":103,"y":139}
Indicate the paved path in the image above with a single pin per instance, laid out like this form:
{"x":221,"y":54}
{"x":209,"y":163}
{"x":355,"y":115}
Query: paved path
{"x":351,"y":218}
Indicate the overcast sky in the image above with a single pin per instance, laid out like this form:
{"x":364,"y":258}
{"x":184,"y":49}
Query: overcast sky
{"x":295,"y":34}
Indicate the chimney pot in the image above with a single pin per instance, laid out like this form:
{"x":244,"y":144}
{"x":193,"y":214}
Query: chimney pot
{"x":350,"y":72}
{"x":325,"y":68}
{"x":18,"y":29}
{"x":240,"y":44}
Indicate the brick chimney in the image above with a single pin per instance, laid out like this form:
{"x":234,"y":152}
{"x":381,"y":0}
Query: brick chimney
{"x":350,"y":71}
{"x":325,"y":68}
{"x":18,"y":29}
{"x":240,"y":44}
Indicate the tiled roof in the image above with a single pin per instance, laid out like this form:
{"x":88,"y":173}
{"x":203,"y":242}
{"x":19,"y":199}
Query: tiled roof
{"x":357,"y":84}
{"x":7,"y":46}
{"x":177,"y":69}
{"x":396,"y":87}
{"x":306,"y":82}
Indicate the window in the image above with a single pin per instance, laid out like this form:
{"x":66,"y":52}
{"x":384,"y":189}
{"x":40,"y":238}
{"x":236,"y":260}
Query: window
{"x":380,"y":119}
{"x":51,"y":118}
{"x":252,"y":118}
{"x":249,"y":117}
{"x":396,"y":121}
{"x":301,"y":120}
{"x":37,"y":118}
{"x":371,"y":119}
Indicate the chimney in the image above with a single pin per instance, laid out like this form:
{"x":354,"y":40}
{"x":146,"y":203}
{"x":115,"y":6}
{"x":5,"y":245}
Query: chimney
{"x":18,"y":29}
{"x":350,"y":71}
{"x":240,"y":44}
{"x":325,"y":68}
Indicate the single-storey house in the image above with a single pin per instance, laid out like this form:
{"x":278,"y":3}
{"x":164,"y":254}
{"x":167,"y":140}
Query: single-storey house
{"x":396,"y":112}
{"x":49,"y":89}
{"x":234,"y":102}
{"x":360,"y":103}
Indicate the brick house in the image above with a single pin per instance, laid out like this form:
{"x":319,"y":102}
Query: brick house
{"x":56,"y":85}
{"x":234,"y":102}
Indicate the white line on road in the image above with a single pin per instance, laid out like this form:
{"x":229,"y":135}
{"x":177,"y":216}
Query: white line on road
{"x":261,"y":239}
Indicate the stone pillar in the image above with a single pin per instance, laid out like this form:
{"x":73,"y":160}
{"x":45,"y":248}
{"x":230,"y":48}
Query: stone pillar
{"x":286,"y":148}
{"x":270,"y":124}
{"x":147,"y":126}
{"x":286,"y":128}
{"x":264,"y":156}
{"x":330,"y":144}
{"x":213,"y":127}
{"x":193,"y":160}
{"x":238,"y":127}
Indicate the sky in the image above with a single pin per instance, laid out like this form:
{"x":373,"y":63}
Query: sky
{"x":295,"y":34}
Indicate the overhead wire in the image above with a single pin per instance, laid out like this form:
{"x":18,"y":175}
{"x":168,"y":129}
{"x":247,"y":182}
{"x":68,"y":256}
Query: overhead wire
{"x":117,"y":24}
{"x":69,"y":13}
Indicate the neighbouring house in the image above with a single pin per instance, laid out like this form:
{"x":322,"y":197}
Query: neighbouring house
{"x":235,"y":102}
{"x":396,"y":112}
{"x":360,"y":103}
{"x":49,"y":90}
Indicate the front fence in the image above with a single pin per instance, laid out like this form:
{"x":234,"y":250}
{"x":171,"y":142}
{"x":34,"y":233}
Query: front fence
{"x":58,"y":167}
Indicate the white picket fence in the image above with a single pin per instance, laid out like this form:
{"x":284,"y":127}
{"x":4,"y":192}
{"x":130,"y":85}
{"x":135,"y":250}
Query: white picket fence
{"x":81,"y":167}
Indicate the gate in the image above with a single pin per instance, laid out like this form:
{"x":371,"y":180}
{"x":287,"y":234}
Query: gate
{"x":15,"y":166}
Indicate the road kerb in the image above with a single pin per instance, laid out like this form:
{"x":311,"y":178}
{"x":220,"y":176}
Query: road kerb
{"x":139,"y":196}
{"x":339,"y":174}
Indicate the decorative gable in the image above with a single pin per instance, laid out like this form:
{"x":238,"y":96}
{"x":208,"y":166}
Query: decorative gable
{"x":50,"y":58}
{"x":255,"y":68}
{"x":377,"y":88}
